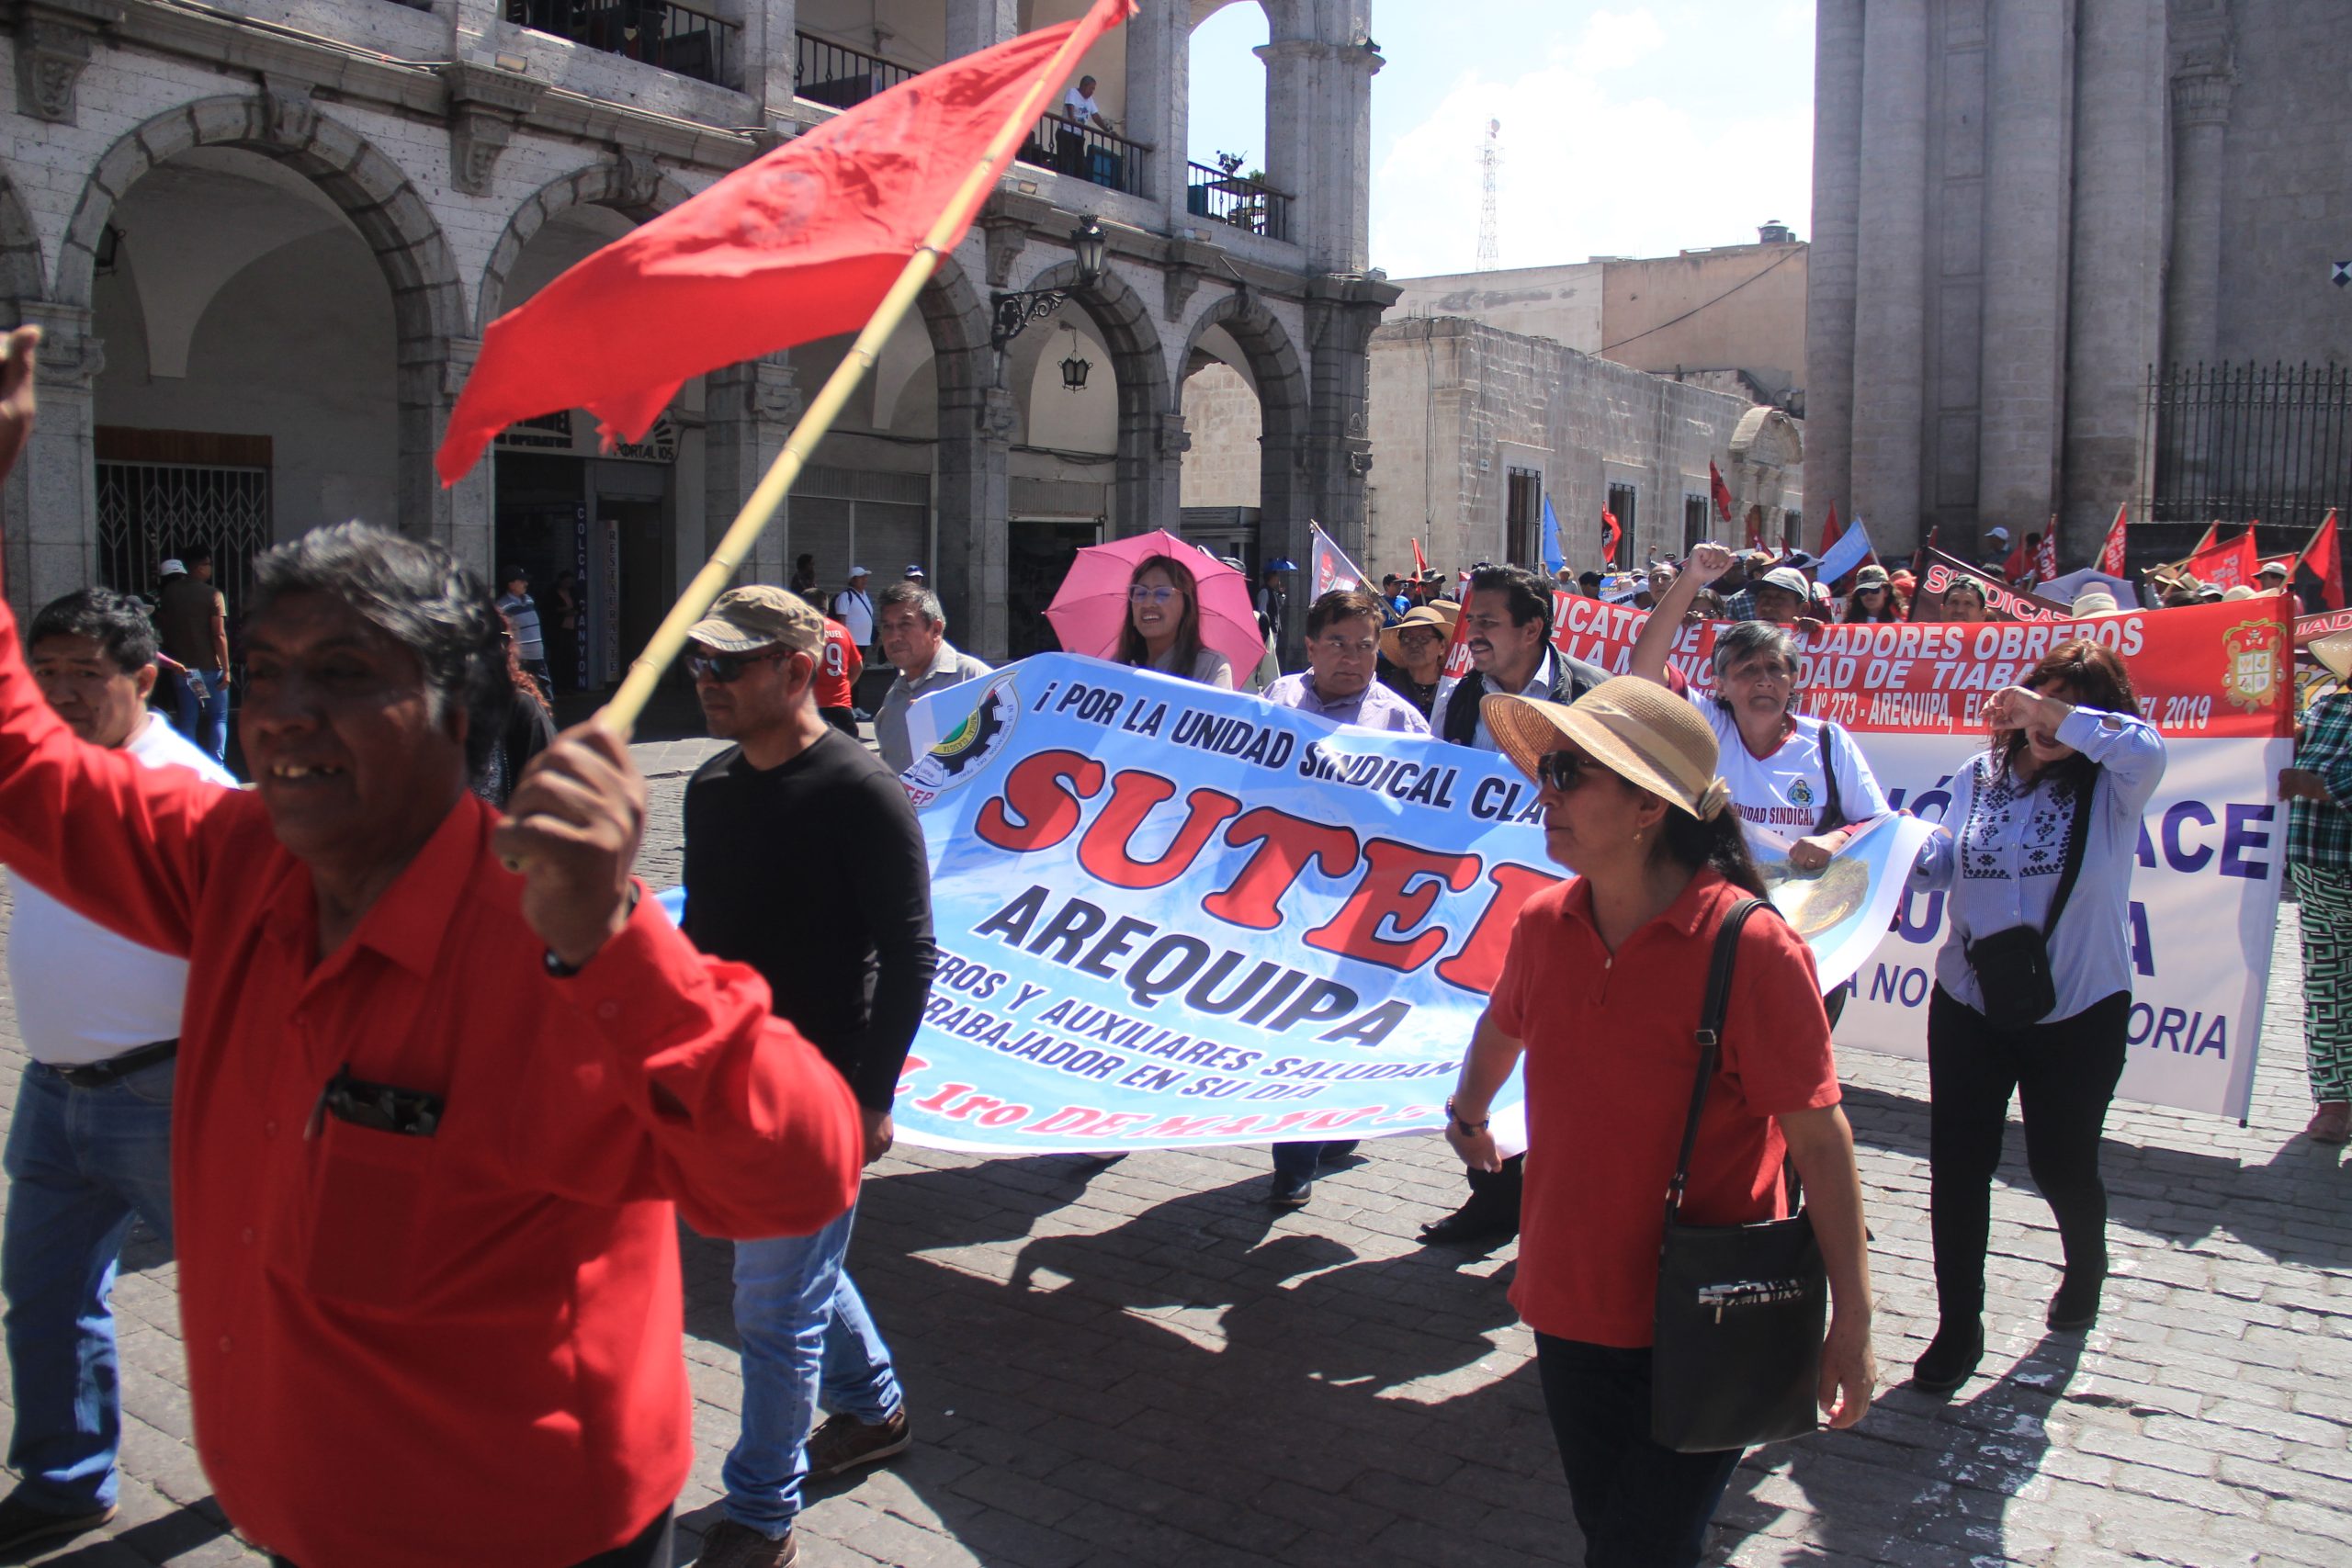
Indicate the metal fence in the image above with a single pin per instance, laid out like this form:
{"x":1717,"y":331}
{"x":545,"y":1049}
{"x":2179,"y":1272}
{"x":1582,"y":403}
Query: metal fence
{"x":832,"y":73}
{"x":1245,"y":203}
{"x":2236,"y":443}
{"x":149,"y":512}
{"x":673,"y":34}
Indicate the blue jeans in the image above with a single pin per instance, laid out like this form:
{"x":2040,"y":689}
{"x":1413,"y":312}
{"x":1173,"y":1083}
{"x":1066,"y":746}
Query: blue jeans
{"x":1300,"y":1161}
{"x":204,"y":720}
{"x":807,"y":1340}
{"x":1640,"y":1503}
{"x":80,"y":1162}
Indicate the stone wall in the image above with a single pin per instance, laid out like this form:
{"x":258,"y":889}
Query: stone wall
{"x":1456,"y":405}
{"x":1222,"y":417}
{"x":1728,"y":307}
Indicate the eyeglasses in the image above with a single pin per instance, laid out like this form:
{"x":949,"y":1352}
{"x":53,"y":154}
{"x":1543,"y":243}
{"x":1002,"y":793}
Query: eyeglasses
{"x":728,"y":667}
{"x":1144,"y":593}
{"x":1563,"y":770}
{"x":1417,"y":639}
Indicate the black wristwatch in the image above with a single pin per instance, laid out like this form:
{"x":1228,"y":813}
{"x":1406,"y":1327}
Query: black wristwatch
{"x":1467,"y":1129}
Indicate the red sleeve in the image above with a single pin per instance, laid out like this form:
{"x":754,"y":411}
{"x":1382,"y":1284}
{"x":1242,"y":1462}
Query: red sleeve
{"x":1776,"y":1039}
{"x":1507,"y":1004}
{"x":110,"y":839}
{"x":744,"y":1125}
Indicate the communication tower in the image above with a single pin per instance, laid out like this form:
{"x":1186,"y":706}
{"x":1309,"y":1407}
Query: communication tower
{"x":1490,"y":162}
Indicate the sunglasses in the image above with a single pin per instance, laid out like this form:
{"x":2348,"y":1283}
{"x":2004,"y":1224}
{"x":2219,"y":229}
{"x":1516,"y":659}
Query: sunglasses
{"x":1143,"y":594}
{"x":1563,"y":770}
{"x":728,"y":667}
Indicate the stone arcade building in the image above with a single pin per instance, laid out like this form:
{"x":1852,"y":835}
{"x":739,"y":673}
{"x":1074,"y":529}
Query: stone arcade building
{"x":2021,"y":207}
{"x":264,"y":237}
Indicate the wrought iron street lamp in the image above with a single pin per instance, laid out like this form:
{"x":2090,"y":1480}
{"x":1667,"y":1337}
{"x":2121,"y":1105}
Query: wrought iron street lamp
{"x":1017,"y":307}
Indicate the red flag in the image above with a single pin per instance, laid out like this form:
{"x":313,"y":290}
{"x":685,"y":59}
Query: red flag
{"x":1829,"y":530}
{"x":1609,"y":550}
{"x":801,"y":244}
{"x":2047,"y":567}
{"x":1420,"y":562}
{"x":2321,"y":567}
{"x":2229,"y":563}
{"x":1721,"y":492}
{"x":2018,"y":563}
{"x":2110,"y":557}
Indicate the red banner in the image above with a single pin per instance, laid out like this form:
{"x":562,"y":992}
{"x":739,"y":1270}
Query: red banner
{"x":2325,"y":624}
{"x":1999,"y":597}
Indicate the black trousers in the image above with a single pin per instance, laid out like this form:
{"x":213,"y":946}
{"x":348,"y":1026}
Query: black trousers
{"x":654,"y":1549}
{"x":1640,"y":1503}
{"x":2063,"y":1074}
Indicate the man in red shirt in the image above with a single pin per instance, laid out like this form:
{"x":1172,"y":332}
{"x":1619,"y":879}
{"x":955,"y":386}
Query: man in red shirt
{"x":837,"y":675}
{"x":435,"y":1123}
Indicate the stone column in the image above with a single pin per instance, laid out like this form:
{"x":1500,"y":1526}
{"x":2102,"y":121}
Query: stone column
{"x":771,"y":56}
{"x":2200,"y":118}
{"x":1890,"y":273}
{"x":1318,"y":134}
{"x":1829,"y":263}
{"x":976,"y":425}
{"x":51,"y":499}
{"x":431,"y":372}
{"x":747,"y":411}
{"x":976,"y":24}
{"x":1342,"y":315}
{"x":2027,"y":214}
{"x":1158,"y":99}
{"x":2115,"y":306}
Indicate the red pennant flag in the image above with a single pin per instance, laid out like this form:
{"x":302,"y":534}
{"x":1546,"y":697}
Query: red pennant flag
{"x":2320,"y":573}
{"x":2111,"y":556}
{"x":799,"y":245}
{"x":1829,"y":530}
{"x":1610,"y":524}
{"x":1420,"y":562}
{"x":2229,"y":563}
{"x":2046,"y":567}
{"x":1722,"y":493}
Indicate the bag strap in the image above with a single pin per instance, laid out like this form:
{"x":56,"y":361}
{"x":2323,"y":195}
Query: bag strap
{"x":2078,"y":834}
{"x":1710,"y":1036}
{"x":1833,"y":811}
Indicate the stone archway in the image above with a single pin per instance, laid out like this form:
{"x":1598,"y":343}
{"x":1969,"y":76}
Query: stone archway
{"x":1282,"y":391}
{"x":429,"y":305}
{"x":22,"y":288}
{"x":1151,"y":435}
{"x":635,"y":187}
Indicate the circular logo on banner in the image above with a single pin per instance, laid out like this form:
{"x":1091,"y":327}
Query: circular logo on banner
{"x":965,"y":750}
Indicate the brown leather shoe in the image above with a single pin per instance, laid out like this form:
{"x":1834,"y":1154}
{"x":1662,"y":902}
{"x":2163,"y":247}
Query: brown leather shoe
{"x":23,"y":1522}
{"x":844,"y":1442}
{"x":2331,"y":1123}
{"x":732,"y":1545}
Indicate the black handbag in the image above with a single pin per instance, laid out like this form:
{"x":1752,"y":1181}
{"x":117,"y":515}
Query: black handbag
{"x":1735,"y":1352}
{"x":2012,"y":967}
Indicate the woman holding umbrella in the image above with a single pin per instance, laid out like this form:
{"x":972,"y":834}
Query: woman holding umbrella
{"x":1162,"y":630}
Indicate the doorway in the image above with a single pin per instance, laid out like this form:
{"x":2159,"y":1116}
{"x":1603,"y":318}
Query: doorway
{"x":1038,"y":555}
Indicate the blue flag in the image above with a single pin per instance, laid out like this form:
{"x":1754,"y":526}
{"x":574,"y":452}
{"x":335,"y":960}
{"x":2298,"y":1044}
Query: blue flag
{"x":1846,"y":556}
{"x":1554,"y":557}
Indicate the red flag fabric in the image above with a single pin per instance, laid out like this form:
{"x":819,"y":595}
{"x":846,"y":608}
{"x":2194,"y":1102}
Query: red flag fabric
{"x":2111,"y":556}
{"x":2046,"y":567}
{"x":1420,"y":561}
{"x":801,"y":244}
{"x":2320,"y":573}
{"x":1720,"y":491}
{"x":1829,"y":530}
{"x":2014,"y":569}
{"x":2228,"y":563}
{"x":1610,"y":524}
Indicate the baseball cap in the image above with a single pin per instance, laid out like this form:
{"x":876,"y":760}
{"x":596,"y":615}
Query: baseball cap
{"x":914,"y":569}
{"x":859,"y":571}
{"x":1790,"y":578}
{"x":1997,"y":532}
{"x":2269,"y":567}
{"x":760,"y":616}
{"x":171,"y":569}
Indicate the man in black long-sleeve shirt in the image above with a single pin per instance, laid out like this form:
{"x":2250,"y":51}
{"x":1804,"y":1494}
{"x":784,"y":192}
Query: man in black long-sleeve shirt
{"x":804,"y":861}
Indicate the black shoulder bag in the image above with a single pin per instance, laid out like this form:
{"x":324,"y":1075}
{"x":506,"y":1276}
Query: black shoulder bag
{"x":1736,"y":1355}
{"x":2012,"y":967}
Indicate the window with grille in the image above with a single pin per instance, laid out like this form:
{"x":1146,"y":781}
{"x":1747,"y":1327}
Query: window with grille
{"x":1523,"y":517}
{"x":1698,"y":518}
{"x":162,"y":493}
{"x":849,"y":517}
{"x":1622,"y":504}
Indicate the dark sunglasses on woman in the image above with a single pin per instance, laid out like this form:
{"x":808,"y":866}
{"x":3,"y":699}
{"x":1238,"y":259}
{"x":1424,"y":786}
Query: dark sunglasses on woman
{"x":1563,"y":770}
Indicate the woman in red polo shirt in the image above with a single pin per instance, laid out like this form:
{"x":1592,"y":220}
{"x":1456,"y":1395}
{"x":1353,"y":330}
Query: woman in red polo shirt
{"x":1601,"y":990}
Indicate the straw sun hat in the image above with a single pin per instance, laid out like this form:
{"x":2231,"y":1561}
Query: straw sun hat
{"x":2334,"y":652}
{"x":1391,"y":641}
{"x":1636,"y":728}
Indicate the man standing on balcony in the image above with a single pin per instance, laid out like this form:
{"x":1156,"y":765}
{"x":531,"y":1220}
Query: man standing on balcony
{"x":1079,"y":105}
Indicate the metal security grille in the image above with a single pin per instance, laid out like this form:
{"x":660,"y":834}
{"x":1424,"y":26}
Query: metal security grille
{"x":150,"y":512}
{"x":2236,"y":443}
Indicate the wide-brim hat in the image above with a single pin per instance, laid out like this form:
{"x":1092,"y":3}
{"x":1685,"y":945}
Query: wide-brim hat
{"x":2335,"y":653}
{"x":1634,"y":727}
{"x":1391,"y":641}
{"x":2096,"y":602}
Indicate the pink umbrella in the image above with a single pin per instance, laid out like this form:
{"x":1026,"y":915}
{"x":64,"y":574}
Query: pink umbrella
{"x":1092,"y":604}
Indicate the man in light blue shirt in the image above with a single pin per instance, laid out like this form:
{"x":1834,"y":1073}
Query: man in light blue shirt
{"x":1342,"y":657}
{"x":914,"y":637}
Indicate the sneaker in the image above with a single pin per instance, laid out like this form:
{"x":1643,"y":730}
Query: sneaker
{"x":1482,"y":1220}
{"x":2076,"y":1304}
{"x":730,"y":1544}
{"x":23,"y":1521}
{"x":1951,"y":1358}
{"x":844,"y":1442}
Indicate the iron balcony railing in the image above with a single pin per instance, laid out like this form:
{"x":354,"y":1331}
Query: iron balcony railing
{"x":1086,"y":152}
{"x":2236,"y":443}
{"x":674,"y":35}
{"x":840,"y":77}
{"x":1237,"y":199}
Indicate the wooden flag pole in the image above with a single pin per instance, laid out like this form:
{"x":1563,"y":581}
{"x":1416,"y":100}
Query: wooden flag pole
{"x":620,"y":716}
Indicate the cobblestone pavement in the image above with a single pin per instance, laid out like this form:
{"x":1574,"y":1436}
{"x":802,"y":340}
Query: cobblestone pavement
{"x":1142,"y":1364}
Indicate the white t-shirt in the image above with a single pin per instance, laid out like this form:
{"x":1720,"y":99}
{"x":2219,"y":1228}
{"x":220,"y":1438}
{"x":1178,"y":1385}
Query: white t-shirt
{"x":856,"y":611}
{"x":1784,"y":795}
{"x":1079,"y":107}
{"x":83,"y":993}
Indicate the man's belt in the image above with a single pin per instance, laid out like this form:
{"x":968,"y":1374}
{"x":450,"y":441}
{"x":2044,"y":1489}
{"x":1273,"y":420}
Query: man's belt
{"x":97,"y":1075}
